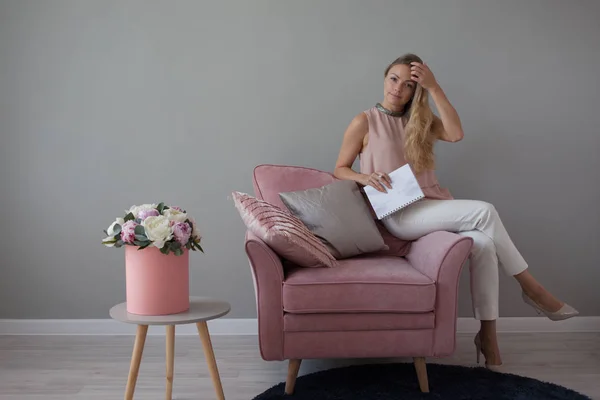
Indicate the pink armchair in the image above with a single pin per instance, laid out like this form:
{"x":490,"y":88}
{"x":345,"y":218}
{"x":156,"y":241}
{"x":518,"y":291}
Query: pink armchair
{"x":374,"y":305}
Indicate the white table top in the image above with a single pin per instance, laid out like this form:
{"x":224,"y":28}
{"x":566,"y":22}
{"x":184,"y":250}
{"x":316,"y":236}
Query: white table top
{"x":201,"y":309}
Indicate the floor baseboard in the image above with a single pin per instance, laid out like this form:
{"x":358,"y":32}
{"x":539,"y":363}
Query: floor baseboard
{"x":248,"y":326}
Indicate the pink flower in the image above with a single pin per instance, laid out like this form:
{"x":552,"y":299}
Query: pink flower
{"x":182,"y":232}
{"x":148,"y":213}
{"x":128,"y":232}
{"x":177,"y":208}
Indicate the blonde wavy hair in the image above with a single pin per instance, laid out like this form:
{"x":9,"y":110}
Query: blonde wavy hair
{"x":419,"y":141}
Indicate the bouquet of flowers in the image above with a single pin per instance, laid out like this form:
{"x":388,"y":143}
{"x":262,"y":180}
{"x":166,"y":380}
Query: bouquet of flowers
{"x":170,"y":229}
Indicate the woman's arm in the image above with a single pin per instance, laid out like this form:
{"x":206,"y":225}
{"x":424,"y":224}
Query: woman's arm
{"x":351,"y":146}
{"x":448,"y":127}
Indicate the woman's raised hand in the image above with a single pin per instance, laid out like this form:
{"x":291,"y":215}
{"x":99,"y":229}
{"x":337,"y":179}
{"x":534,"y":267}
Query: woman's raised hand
{"x":423,"y":75}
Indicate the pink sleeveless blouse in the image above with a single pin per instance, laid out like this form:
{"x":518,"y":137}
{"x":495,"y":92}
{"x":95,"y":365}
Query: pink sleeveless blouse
{"x":385,"y":152}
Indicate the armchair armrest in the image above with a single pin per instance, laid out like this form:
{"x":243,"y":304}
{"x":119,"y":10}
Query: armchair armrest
{"x":441,"y":256}
{"x":268,"y":276}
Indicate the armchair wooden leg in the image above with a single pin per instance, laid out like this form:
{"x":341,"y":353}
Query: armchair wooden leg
{"x":421,"y":368}
{"x":293,"y":369}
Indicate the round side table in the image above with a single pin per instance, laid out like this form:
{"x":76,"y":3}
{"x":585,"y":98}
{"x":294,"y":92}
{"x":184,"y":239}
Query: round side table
{"x":201,"y":309}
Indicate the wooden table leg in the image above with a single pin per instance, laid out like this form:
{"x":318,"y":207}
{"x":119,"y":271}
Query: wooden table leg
{"x":170,"y":359}
{"x":136,"y":359}
{"x":210,"y":358}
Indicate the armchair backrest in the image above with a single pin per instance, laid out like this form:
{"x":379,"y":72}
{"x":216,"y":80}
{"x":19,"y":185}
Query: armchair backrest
{"x":269,"y":180}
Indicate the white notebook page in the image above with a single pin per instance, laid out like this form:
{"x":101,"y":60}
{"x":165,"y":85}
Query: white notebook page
{"x":405,"y":190}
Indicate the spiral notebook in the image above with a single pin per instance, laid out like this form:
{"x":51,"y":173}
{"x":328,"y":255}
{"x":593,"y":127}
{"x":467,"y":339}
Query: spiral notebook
{"x":405,"y":191}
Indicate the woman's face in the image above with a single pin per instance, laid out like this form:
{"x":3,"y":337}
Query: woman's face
{"x":398,"y":87}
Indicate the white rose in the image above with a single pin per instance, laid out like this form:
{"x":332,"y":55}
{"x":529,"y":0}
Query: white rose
{"x":111,"y":229}
{"x":135,"y":210}
{"x":158,"y":230}
{"x":175,"y":215}
{"x":195,"y":232}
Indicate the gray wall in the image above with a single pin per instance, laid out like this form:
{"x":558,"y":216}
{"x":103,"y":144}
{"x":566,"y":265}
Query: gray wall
{"x":105,"y":104}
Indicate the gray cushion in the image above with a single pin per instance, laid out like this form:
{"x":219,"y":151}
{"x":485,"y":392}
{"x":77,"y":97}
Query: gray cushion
{"x":339,"y":216}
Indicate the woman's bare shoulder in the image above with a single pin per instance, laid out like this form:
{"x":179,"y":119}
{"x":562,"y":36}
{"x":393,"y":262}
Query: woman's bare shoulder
{"x":357,"y":133}
{"x":359,"y":126}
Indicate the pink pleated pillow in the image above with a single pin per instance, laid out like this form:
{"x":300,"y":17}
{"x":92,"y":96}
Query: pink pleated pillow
{"x":284,"y":233}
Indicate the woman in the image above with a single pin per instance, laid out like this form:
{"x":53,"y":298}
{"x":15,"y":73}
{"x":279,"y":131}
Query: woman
{"x":402,"y":129}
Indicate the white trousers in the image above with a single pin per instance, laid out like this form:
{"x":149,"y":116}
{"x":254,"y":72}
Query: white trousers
{"x":492,"y":247}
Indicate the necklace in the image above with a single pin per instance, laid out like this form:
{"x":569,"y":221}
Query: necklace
{"x":389,"y":112}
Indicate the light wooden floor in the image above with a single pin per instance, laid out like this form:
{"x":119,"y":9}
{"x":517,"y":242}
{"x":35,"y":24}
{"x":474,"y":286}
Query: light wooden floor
{"x":96,"y":367}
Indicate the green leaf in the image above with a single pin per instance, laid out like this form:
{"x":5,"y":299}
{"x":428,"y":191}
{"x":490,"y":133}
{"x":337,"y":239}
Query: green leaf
{"x":143,"y":245}
{"x":178,"y":252}
{"x":141,"y":238}
{"x":197,"y":246}
{"x":165,"y":249}
{"x":106,"y":233}
{"x":139,"y":230}
{"x":117,"y":229}
{"x":160,"y":207}
{"x":129,"y":217}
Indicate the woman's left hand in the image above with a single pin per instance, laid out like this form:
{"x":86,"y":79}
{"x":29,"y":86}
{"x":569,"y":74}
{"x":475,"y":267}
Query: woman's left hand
{"x":421,"y":74}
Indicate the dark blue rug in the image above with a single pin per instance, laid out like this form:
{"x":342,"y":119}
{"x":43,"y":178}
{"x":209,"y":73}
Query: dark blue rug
{"x":399,"y":381}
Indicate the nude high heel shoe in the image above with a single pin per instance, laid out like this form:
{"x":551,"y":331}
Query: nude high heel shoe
{"x":479,"y":351}
{"x":565,"y":312}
